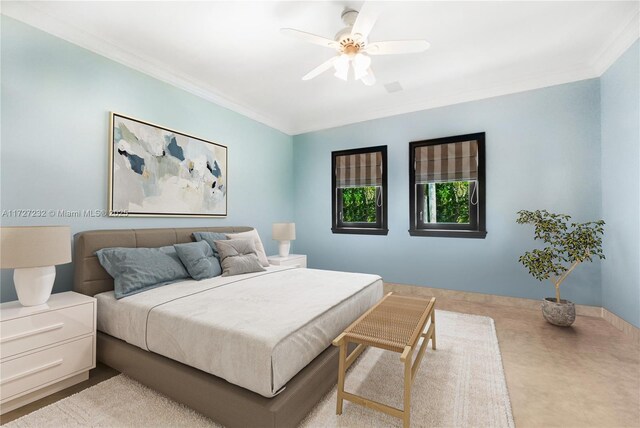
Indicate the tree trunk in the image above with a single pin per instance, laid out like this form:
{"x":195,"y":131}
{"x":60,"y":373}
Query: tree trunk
{"x":563,"y":277}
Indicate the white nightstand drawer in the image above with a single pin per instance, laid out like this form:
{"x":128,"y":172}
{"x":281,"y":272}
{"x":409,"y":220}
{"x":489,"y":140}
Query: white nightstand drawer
{"x":22,"y":374}
{"x":35,"y":331}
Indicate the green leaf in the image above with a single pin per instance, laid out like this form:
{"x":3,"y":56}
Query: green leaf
{"x":566,"y":243}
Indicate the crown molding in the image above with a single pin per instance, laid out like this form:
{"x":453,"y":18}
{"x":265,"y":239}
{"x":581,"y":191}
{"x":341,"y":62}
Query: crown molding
{"x":617,"y":45}
{"x":35,"y":17}
{"x":613,"y":48}
{"x":503,"y":87}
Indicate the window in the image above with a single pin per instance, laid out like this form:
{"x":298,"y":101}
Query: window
{"x":359,"y":191}
{"x":446,"y":187}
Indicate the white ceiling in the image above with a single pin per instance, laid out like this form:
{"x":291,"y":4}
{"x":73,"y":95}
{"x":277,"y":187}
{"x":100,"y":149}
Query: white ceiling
{"x":233,"y":53}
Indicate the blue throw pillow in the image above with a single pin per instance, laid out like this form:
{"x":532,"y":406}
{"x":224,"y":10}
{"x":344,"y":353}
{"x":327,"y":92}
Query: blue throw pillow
{"x":199,"y":259}
{"x":138,"y":269}
{"x":210,"y":238}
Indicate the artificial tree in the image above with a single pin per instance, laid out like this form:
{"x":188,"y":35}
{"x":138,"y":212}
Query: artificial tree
{"x":568,"y":245}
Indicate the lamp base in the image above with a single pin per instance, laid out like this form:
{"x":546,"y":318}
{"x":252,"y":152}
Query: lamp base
{"x":34,"y":285}
{"x":283,"y":248}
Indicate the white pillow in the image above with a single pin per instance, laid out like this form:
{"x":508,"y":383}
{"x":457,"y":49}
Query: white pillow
{"x":252,"y":234}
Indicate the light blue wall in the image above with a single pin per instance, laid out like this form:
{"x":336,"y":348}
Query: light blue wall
{"x":620,"y":93}
{"x":56,"y":99}
{"x":542,"y":151}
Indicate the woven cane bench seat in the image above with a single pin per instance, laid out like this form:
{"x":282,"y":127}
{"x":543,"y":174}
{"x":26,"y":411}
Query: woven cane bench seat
{"x":392,"y":324}
{"x":396,"y":323}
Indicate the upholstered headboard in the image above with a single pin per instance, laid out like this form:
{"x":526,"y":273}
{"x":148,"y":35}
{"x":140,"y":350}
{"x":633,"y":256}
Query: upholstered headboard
{"x":89,"y":276}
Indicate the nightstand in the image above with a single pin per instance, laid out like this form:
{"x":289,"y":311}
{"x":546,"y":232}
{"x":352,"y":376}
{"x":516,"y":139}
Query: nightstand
{"x":45,"y":348}
{"x":295,"y":260}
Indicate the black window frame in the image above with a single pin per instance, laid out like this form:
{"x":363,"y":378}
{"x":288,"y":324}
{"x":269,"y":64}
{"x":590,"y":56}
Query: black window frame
{"x":477,"y":225}
{"x":380,"y":227}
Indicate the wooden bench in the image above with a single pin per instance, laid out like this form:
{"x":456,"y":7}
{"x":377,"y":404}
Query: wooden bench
{"x":396,"y":324}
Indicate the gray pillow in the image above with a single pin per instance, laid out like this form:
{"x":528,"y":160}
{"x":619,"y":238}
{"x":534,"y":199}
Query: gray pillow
{"x":210,"y":238}
{"x":238,"y":256}
{"x":199,"y":259}
{"x":252,"y":234}
{"x":138,"y":269}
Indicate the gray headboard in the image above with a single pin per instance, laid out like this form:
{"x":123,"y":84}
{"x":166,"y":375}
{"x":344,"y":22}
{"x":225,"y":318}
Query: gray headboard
{"x":90,"y":278}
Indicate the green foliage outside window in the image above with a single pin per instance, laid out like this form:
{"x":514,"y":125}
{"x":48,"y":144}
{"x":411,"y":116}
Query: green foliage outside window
{"x":451,"y":201}
{"x":359,"y":205}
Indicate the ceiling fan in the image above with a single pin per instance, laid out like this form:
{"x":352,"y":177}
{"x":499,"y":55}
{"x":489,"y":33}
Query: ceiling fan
{"x":353,"y":46}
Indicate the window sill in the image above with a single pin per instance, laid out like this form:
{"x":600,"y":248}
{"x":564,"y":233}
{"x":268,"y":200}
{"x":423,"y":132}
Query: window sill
{"x":477,"y":234}
{"x":360,"y":231}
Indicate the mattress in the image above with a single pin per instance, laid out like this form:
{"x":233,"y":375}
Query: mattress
{"x":254,"y":330}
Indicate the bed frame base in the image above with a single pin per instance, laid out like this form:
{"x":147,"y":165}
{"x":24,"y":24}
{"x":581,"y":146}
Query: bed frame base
{"x":225,"y":403}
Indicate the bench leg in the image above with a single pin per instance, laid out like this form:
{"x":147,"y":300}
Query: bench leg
{"x":341,"y":375}
{"x":433,"y":335}
{"x":406,"y":413}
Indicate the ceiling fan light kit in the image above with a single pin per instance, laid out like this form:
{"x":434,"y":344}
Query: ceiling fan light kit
{"x":353,"y":48}
{"x":361,"y":63}
{"x":341,"y":65}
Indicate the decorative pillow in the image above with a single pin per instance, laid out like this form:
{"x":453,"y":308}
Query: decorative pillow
{"x":210,"y":238}
{"x":138,"y":269}
{"x":252,"y":234}
{"x":238,"y":256}
{"x":199,"y":259}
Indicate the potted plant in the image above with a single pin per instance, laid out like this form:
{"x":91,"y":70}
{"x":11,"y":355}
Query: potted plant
{"x":568,"y":245}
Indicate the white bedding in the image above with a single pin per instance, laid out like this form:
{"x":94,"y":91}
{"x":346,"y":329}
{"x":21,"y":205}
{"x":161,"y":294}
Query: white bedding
{"x":255,"y":330}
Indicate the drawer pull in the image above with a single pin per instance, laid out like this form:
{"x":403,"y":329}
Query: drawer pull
{"x":31,"y":371}
{"x":32,"y":332}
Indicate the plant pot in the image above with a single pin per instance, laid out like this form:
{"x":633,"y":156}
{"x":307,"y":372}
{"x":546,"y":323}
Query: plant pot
{"x":562,"y":314}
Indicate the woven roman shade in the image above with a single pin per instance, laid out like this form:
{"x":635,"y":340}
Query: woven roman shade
{"x":360,"y":170}
{"x":447,"y":162}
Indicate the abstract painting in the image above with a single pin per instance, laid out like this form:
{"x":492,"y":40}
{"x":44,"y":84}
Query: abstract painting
{"x":155,"y":171}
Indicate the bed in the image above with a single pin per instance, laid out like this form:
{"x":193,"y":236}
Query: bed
{"x":267,"y":359}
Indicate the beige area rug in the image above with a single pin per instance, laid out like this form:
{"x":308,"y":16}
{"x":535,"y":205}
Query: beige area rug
{"x":461,"y":384}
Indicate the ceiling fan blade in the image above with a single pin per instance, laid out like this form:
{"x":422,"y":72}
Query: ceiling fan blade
{"x":320,"y":69}
{"x":311,"y":38}
{"x":369,"y":79}
{"x":365,"y":21}
{"x":397,"y":47}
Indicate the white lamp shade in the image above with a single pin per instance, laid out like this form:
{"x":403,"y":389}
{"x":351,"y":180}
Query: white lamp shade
{"x":34,"y":246}
{"x":283,"y":231}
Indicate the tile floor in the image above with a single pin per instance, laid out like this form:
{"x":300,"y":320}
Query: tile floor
{"x":587,"y":375}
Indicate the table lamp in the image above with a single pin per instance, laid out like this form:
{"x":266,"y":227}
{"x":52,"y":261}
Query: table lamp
{"x":285,"y":233}
{"x":33,"y":252}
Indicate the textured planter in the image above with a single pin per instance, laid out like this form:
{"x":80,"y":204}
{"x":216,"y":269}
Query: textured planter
{"x":562,"y":314}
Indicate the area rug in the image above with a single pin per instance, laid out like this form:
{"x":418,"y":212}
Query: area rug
{"x":461,"y":384}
